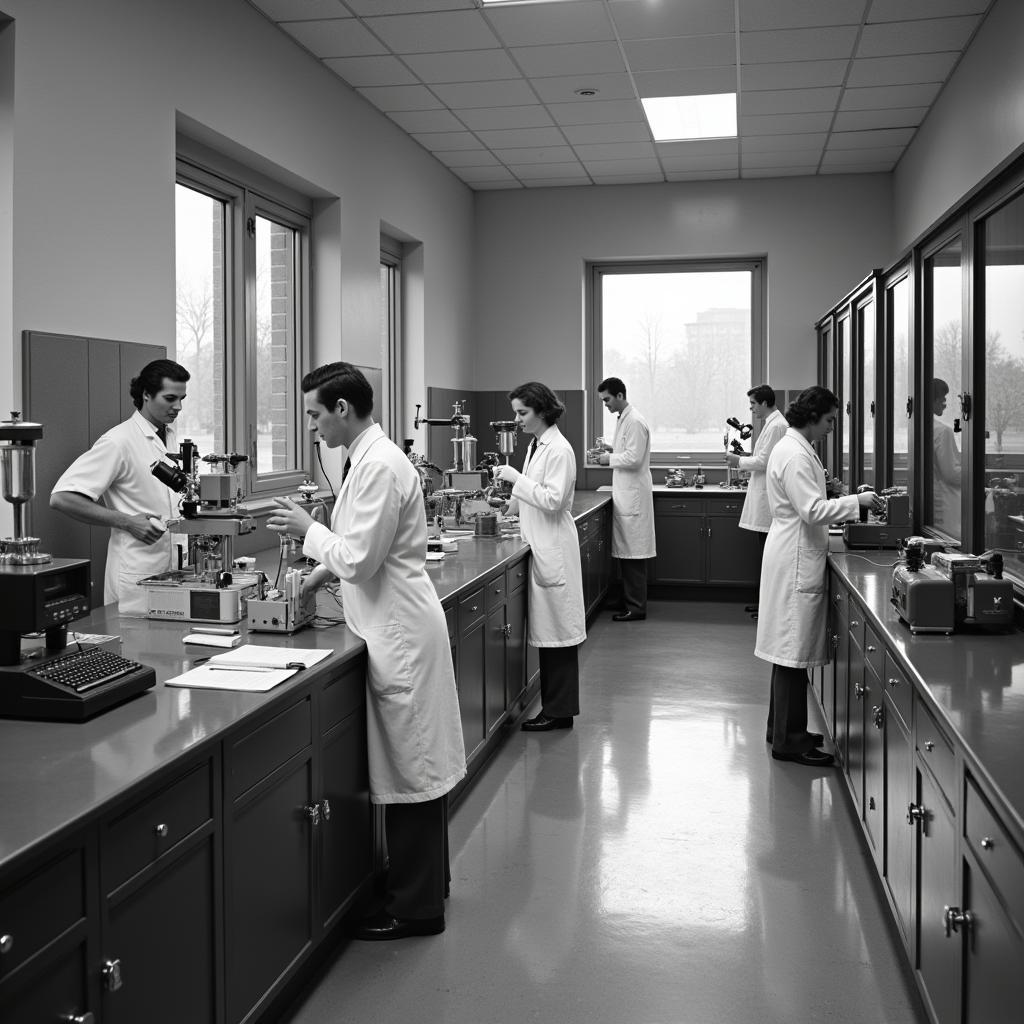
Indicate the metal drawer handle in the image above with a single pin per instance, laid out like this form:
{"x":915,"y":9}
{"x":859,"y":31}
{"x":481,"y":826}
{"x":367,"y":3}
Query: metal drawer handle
{"x":915,"y":812}
{"x":859,"y":690}
{"x":312,"y":811}
{"x":929,"y":745}
{"x":161,"y":831}
{"x":854,"y":622}
{"x":326,"y":806}
{"x":78,"y":1018}
{"x":6,"y":943}
{"x":987,"y":843}
{"x":954,"y":917}
{"x":877,"y":716}
{"x":111,"y":972}
{"x":893,"y":682}
{"x":872,"y":649}
{"x":473,"y":607}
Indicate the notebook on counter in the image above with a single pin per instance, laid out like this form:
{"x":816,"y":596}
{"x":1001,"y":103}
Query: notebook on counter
{"x":253,"y":668}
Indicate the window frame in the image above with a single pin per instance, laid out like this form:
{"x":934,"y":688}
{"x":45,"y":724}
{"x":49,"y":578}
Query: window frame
{"x":594,"y":350}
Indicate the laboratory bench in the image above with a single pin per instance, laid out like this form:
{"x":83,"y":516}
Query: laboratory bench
{"x":929,"y":734}
{"x":187,"y":855}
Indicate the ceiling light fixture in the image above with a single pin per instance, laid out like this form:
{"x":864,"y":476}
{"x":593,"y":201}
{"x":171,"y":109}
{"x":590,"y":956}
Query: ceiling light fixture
{"x":681,"y":118}
{"x":586,"y":92}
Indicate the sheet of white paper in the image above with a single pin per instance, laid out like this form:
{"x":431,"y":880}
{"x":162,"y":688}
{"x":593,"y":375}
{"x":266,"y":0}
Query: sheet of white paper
{"x":264,"y":656}
{"x":208,"y":677}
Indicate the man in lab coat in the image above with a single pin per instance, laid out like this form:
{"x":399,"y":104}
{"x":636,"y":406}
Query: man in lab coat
{"x":376,"y":546}
{"x":111,"y":485}
{"x":945,"y":465}
{"x":629,"y":455}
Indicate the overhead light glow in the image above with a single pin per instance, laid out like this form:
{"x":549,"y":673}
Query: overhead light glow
{"x":679,"y":118}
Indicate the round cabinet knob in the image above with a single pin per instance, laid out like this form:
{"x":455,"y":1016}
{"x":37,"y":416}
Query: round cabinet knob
{"x":161,"y":830}
{"x":6,"y":943}
{"x":986,"y":844}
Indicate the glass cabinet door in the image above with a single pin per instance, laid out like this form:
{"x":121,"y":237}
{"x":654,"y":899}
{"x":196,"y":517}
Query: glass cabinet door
{"x":1002,"y":242}
{"x":943,"y":343}
{"x":844,"y":342}
{"x":897,"y":320}
{"x":866,"y":399}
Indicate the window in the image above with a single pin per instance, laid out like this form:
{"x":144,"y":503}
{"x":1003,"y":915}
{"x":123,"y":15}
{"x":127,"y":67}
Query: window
{"x":387,"y":403}
{"x":241,"y":276}
{"x":897,"y":326}
{"x":687,"y":340}
{"x":866,"y":398}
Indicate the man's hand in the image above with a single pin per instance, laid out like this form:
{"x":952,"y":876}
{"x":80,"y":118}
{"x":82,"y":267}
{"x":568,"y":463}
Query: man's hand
{"x":732,"y":460}
{"x":290,"y":519}
{"x":141,"y":527}
{"x":603,"y":459}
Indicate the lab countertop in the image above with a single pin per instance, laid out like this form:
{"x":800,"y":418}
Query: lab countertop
{"x":707,"y":491}
{"x":972,"y":682}
{"x":55,"y":774}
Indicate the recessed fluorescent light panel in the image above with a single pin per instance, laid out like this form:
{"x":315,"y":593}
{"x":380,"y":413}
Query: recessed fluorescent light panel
{"x":679,"y":118}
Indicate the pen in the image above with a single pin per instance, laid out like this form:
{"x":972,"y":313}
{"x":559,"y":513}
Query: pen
{"x":239,"y":668}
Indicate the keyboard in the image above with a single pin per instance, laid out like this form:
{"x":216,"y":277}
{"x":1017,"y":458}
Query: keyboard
{"x":84,"y":670}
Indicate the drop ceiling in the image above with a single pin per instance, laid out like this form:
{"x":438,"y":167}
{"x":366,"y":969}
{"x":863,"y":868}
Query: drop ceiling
{"x":548,"y":94}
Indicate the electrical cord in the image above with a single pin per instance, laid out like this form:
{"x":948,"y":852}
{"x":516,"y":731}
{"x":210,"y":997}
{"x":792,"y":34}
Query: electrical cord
{"x":316,"y":445}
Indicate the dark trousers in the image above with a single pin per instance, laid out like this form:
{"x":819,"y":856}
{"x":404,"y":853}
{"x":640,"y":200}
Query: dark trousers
{"x":634,"y":584}
{"x":787,"y":711}
{"x":559,"y":681}
{"x":417,"y":838}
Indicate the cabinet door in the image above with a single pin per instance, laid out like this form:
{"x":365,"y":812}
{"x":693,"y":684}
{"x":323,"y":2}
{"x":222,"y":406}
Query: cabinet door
{"x":162,"y":935}
{"x":874,"y":765}
{"x":515,"y":646}
{"x":55,"y":991}
{"x":734,"y":555}
{"x":494,"y":668}
{"x":938,"y":955}
{"x":472,"y":648}
{"x":899,"y":832}
{"x":345,"y":830}
{"x":855,"y":725}
{"x":681,"y":552}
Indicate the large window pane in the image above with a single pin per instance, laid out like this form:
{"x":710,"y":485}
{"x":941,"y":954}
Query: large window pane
{"x":944,"y":293}
{"x":866,"y":331}
{"x":1004,"y":383}
{"x":199,"y":321}
{"x":898,"y":320}
{"x":681,"y":341}
{"x":845,"y":343}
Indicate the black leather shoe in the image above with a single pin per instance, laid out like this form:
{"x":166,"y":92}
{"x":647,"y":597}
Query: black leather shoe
{"x":816,"y":738}
{"x":813,"y":758}
{"x":542,"y":723}
{"x":629,"y":617}
{"x":383,"y":927}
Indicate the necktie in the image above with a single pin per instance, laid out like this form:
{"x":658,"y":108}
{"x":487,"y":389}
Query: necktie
{"x":533,"y":448}
{"x":344,"y":472}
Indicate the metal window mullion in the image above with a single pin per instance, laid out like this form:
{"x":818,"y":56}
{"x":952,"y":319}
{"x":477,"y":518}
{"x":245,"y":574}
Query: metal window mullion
{"x":245,"y":374}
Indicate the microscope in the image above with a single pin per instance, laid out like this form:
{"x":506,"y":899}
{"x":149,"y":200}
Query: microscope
{"x":733,"y":447}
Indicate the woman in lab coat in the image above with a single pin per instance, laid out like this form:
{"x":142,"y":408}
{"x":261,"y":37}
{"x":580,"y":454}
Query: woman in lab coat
{"x":542,"y":495}
{"x":792,"y":617}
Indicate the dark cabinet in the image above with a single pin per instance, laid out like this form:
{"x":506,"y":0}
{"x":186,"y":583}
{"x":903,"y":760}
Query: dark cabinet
{"x":874,"y":764}
{"x":515,"y":644}
{"x":471,"y":653}
{"x":679,"y":539}
{"x":734,"y":555}
{"x":854,"y":739}
{"x":595,"y":558}
{"x":496,"y":637}
{"x":899,"y":825}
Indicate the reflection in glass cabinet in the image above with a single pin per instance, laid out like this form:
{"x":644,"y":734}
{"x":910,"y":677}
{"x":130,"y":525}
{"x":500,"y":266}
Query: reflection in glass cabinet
{"x":1003,"y":234}
{"x":898,"y":327}
{"x":845,"y":343}
{"x":866,"y":337}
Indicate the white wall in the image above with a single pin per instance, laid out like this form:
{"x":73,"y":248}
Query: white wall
{"x":821,"y":236}
{"x":977,"y":122}
{"x":98,"y":87}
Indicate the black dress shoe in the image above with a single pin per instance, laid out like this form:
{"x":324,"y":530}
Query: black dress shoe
{"x":382,"y":927}
{"x":629,"y":617}
{"x":816,"y":738}
{"x":813,"y":758}
{"x":542,"y":723}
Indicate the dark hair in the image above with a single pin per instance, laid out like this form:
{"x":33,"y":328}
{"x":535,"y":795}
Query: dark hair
{"x":614,"y":386}
{"x":340,"y":380}
{"x":810,"y":405}
{"x":540,"y":398}
{"x":763,"y":393}
{"x":151,"y":378}
{"x":939,"y":388}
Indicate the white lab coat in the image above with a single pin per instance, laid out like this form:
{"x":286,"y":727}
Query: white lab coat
{"x":632,"y":487}
{"x":544,"y":494}
{"x":945,"y":479}
{"x":792,"y":607}
{"x":116,"y":471}
{"x":376,"y":546}
{"x":756,"y":514}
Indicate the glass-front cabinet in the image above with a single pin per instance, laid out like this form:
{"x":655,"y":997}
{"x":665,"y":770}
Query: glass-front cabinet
{"x":899,"y":354}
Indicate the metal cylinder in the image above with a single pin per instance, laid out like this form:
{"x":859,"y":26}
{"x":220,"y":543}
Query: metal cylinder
{"x":506,"y":435}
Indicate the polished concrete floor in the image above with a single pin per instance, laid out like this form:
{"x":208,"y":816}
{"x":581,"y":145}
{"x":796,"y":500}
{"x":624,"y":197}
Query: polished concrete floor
{"x":652,"y":866}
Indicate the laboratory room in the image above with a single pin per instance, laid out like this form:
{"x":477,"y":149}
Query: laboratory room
{"x":513,"y":510}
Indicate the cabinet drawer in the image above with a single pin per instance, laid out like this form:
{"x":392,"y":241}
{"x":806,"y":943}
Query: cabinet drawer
{"x":936,"y":752}
{"x":729,"y":507}
{"x":586,"y":528}
{"x":874,"y":652}
{"x":678,"y":506}
{"x":471,"y":608}
{"x":995,"y":851}
{"x":494,"y":592}
{"x":840,"y":601}
{"x":260,"y":752}
{"x":856,"y":625}
{"x":451,"y":620}
{"x":342,"y":695}
{"x":515,"y":575}
{"x":148,"y":830}
{"x":36,"y":908}
{"x":899,"y":689}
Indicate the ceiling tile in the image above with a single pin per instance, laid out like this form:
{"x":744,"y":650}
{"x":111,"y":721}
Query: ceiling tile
{"x":571,"y":169}
{"x":592,"y":134}
{"x":880,"y":154}
{"x":710,"y":162}
{"x":557,"y":183}
{"x":883,"y":97}
{"x":537,"y":24}
{"x":802,"y":74}
{"x":699,"y":147}
{"x":462,"y":65}
{"x":709,"y":175}
{"x":367,"y":8}
{"x":681,"y":52}
{"x":569,"y":59}
{"x":514,"y":93}
{"x":695,"y":82}
{"x":430,"y":33}
{"x":617,"y":151}
{"x":536,"y":155}
{"x":492,"y":186}
{"x":862,"y":120}
{"x":427,"y":121}
{"x":639,"y":166}
{"x":496,"y":118}
{"x":781,"y":142}
{"x":513,"y":139}
{"x":863,"y":140}
{"x":880,"y":168}
{"x":626,"y":179}
{"x":563,"y":90}
{"x":924,"y":67}
{"x":901,"y":10}
{"x":790,"y":158}
{"x":484,"y":173}
{"x":795,"y":44}
{"x":788,"y":101}
{"x":780,"y":172}
{"x":360,"y":71}
{"x":467,"y":158}
{"x":640,"y":19}
{"x":401,"y":97}
{"x":774,"y":124}
{"x":933,"y":36}
{"x":436,"y":141}
{"x":596,"y":112}
{"x":301,"y":10}
{"x":341,"y":37}
{"x":757,"y":14}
